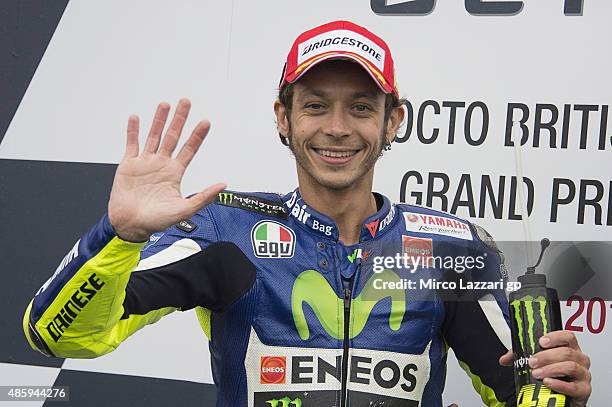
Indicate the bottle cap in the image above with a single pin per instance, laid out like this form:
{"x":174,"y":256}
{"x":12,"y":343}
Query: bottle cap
{"x":532,"y":279}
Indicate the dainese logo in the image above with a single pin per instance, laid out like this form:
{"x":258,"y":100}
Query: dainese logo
{"x":273,"y":370}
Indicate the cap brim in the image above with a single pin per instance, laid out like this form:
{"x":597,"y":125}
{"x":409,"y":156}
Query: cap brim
{"x":374,"y":73}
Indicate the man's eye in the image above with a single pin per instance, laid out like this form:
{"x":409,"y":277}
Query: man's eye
{"x":361,"y":108}
{"x":314,"y":106}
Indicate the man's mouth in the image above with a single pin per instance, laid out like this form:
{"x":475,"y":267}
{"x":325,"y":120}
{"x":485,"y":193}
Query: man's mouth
{"x":336,"y":156}
{"x":336,"y":153}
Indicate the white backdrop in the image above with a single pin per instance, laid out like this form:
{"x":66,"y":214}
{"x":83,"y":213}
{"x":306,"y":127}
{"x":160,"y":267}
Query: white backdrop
{"x":108,"y":60}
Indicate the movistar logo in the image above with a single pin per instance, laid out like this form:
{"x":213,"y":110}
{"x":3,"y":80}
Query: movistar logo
{"x":226,"y":198}
{"x":285,"y":402}
{"x":312,"y":288}
{"x":530,"y":308}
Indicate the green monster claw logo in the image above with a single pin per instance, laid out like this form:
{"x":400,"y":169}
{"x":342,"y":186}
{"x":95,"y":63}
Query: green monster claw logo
{"x":312,"y":288}
{"x":226,"y":198}
{"x":285,"y":402}
{"x":529,"y":301}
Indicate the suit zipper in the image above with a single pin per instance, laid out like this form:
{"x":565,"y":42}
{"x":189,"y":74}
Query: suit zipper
{"x":345,"y":353}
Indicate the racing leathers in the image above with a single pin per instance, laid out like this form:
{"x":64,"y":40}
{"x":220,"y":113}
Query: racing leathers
{"x":293,"y":316}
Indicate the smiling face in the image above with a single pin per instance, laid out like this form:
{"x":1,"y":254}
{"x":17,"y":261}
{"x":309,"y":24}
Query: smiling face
{"x":336,"y":127}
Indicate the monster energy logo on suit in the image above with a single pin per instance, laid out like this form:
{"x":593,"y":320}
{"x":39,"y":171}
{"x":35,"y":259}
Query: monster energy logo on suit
{"x":251,"y":203}
{"x":225,"y":198}
{"x":285,"y":402}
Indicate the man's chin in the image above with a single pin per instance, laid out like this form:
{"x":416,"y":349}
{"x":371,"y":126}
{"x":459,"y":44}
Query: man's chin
{"x":336,"y":178}
{"x":336,"y":183}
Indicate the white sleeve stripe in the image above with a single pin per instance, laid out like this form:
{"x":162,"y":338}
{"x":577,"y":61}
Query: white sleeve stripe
{"x":176,"y":251}
{"x":496,"y":319}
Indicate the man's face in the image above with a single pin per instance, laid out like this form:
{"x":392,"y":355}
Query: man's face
{"x":336,"y":128}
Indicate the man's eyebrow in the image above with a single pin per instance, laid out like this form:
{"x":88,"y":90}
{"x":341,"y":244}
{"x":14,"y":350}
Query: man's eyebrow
{"x":323,"y":94}
{"x":366,"y":95}
{"x":312,"y":92}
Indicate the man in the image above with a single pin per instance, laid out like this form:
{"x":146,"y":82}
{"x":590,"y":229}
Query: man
{"x":290,"y":290}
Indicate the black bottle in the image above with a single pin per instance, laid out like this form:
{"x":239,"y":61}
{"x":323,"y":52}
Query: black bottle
{"x":534,"y":311}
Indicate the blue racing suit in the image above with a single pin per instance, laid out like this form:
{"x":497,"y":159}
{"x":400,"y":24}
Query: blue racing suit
{"x":293,"y":316}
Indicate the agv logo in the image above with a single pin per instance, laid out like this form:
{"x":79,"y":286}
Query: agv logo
{"x":271,"y":240}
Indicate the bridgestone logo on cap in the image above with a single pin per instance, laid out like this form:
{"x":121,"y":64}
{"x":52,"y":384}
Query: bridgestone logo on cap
{"x":342,"y":40}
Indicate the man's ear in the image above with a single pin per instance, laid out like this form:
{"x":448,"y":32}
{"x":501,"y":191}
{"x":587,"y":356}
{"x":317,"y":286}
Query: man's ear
{"x":395,"y":120}
{"x":282,"y":121}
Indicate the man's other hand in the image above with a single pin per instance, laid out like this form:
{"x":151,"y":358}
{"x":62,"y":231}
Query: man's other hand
{"x":561,"y":358}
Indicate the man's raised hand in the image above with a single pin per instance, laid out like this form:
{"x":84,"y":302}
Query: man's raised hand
{"x":146,"y":194}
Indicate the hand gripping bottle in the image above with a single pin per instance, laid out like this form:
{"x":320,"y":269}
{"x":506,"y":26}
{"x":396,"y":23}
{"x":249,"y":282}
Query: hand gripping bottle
{"x":534,"y":311}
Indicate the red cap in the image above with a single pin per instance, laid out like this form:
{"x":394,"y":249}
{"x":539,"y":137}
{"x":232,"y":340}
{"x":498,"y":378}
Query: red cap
{"x":341,"y":40}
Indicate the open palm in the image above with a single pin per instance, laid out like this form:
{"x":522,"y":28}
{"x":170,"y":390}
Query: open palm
{"x":146,"y":195}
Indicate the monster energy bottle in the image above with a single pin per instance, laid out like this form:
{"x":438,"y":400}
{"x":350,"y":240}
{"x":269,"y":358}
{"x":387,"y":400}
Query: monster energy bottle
{"x":534,"y":312}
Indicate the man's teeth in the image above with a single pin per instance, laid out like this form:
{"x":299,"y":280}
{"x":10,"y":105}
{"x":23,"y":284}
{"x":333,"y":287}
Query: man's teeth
{"x":336,"y":154}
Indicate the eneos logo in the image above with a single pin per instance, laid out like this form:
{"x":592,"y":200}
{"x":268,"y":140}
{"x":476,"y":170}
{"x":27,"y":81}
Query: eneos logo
{"x":273,"y":370}
{"x":419,"y":249}
{"x":272,"y":240}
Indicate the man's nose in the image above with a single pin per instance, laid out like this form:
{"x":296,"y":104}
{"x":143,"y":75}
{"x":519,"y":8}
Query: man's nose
{"x":338,"y":122}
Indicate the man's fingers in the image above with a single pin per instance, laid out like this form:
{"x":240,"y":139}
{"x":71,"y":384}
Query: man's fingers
{"x":559,"y":338}
{"x":131,"y":148}
{"x":507,"y":359}
{"x":556,"y":355}
{"x":194,"y":142}
{"x":561,"y":369}
{"x":205,"y":197}
{"x":578,"y":390}
{"x":176,"y":127}
{"x":159,"y":121}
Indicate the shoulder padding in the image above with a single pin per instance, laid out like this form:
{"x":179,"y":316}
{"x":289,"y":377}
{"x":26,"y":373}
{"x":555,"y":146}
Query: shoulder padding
{"x":485,"y":237}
